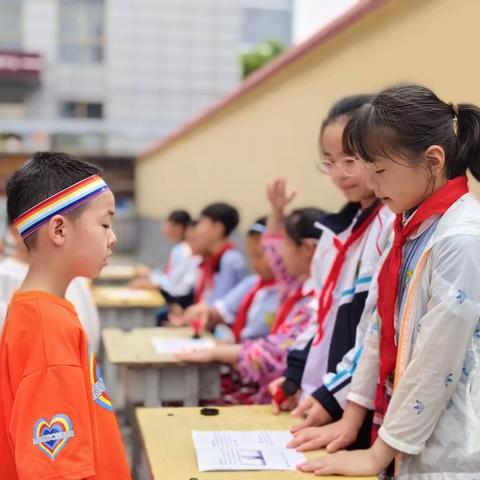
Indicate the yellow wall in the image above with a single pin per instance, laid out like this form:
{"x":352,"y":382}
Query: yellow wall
{"x":272,"y":131}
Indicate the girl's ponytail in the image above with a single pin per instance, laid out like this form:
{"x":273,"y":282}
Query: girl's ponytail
{"x":468,"y":136}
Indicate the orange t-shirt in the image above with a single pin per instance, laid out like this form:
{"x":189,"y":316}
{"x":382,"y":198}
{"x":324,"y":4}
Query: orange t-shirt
{"x":56,"y":419}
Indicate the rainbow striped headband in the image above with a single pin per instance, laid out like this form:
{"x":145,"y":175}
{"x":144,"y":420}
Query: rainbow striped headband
{"x":62,"y":202}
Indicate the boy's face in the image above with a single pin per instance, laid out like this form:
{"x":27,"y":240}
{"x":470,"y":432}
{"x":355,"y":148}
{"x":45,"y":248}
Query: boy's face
{"x":92,"y":238}
{"x":207,"y":232}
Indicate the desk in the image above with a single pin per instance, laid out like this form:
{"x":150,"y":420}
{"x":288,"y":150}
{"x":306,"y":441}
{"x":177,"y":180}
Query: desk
{"x":126,"y":308}
{"x":168,"y":447}
{"x":135,"y":373}
{"x":116,"y":274}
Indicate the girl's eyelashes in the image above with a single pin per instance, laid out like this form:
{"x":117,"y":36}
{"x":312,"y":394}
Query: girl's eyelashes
{"x":378,"y":172}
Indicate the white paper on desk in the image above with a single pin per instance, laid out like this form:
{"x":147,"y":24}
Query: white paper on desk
{"x":171,"y":346}
{"x":245,"y":450}
{"x":125,"y":293}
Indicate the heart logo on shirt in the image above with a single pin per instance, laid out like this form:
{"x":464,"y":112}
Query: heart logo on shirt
{"x":51,"y":436}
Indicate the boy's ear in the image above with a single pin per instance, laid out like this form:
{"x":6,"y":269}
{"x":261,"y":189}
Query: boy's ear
{"x":56,"y":230}
{"x":219,"y":229}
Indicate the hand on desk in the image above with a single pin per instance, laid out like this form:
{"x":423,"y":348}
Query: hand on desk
{"x":142,"y":271}
{"x":220,"y":353}
{"x":357,"y":462}
{"x":142,"y":283}
{"x":333,"y":437}
{"x":199,"y":311}
{"x":314,"y":412}
{"x":205,"y":355}
{"x":336,"y":436}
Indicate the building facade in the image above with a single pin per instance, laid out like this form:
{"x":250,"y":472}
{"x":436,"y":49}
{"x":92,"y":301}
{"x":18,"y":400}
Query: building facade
{"x":111,"y":76}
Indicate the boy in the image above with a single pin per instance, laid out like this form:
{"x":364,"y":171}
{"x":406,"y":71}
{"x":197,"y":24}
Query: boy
{"x":56,"y":419}
{"x":223,"y":266}
{"x":13,"y":270}
{"x":248,"y":310}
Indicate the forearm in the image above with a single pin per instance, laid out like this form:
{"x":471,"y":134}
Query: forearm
{"x":275,"y":221}
{"x":382,"y":454}
{"x":354,"y":414}
{"x":227,"y":354}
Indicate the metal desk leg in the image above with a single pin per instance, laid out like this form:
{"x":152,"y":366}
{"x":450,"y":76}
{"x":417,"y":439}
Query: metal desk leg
{"x":152,"y":387}
{"x":191,"y":386}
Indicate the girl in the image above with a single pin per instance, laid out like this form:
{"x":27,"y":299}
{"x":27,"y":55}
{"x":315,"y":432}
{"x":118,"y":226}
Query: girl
{"x":324,"y":360}
{"x":425,"y":343}
{"x":178,"y":279}
{"x":260,"y":361}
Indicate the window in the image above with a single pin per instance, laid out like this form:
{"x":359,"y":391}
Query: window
{"x":10,"y":24}
{"x":81,"y":110}
{"x":82,"y":143}
{"x":81,"y":31}
{"x":261,"y":24}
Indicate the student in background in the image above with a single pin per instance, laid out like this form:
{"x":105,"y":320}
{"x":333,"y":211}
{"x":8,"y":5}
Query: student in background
{"x":420,"y":368}
{"x":56,"y":419}
{"x":254,"y":363}
{"x":223,"y":266}
{"x":177,"y":281}
{"x":14,"y":269}
{"x":321,"y":364}
{"x":248,"y":310}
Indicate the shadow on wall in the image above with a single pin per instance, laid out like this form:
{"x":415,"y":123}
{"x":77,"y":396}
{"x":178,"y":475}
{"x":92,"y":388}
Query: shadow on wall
{"x":153,"y":248}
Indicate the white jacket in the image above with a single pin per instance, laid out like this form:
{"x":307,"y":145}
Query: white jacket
{"x":434,"y":413}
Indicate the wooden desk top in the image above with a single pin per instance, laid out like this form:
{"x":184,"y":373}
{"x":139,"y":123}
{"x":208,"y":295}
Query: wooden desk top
{"x":166,"y":435}
{"x":136,"y":348}
{"x":116,"y":273}
{"x":124,"y":297}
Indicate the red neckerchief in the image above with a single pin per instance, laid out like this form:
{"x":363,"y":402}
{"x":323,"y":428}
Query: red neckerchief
{"x":208,"y":268}
{"x":242,"y":315}
{"x":287,"y":306}
{"x":326,"y":295}
{"x":388,"y":278}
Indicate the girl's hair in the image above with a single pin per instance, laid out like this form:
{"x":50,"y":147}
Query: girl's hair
{"x":179,"y":217}
{"x":344,"y":108}
{"x":301,"y":224}
{"x":258,"y":227}
{"x":407,"y":120}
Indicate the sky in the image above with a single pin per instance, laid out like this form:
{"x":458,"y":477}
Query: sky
{"x":311,"y":15}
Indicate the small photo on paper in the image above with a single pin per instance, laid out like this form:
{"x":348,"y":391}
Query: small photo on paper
{"x":252,"y":458}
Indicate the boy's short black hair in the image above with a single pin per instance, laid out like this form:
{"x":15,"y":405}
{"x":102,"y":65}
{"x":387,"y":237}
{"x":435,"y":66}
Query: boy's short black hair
{"x":180,"y":217}
{"x":225,"y":214}
{"x":44,"y":175}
